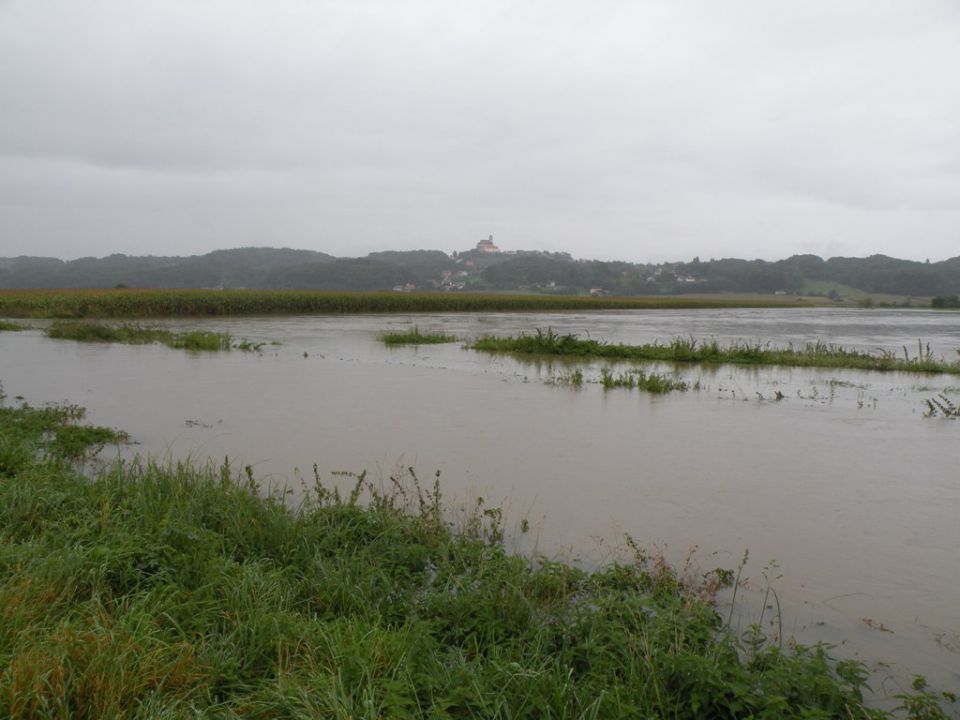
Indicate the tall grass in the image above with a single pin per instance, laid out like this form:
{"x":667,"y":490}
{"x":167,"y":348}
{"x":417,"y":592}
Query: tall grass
{"x":7,"y":326}
{"x":195,"y":303}
{"x":690,"y":350}
{"x":161,"y":591}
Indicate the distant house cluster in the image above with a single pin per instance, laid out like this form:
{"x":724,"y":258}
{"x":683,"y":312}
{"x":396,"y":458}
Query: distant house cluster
{"x":452,"y":281}
{"x":667,"y":272}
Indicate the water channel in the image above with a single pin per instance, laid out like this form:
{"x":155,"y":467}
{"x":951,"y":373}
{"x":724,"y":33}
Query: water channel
{"x":844,"y":483}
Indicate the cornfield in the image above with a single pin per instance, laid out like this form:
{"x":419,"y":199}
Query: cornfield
{"x":130,"y":303}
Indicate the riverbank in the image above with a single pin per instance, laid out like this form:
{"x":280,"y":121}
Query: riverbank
{"x":180,"y":590}
{"x":127,"y":303}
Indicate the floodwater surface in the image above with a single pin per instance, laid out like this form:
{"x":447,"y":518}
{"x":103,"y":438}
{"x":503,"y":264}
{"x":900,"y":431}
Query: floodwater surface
{"x":843,"y":489}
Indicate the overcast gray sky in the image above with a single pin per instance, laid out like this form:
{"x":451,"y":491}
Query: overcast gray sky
{"x":645,"y":130}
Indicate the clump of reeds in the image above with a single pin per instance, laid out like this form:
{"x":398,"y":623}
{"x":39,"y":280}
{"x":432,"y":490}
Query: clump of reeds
{"x":200,"y":340}
{"x":415,"y":337}
{"x":571,"y":379}
{"x":651,"y":383}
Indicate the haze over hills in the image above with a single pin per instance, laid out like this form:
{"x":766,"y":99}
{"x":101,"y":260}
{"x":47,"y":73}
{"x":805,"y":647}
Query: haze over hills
{"x":486,"y":268}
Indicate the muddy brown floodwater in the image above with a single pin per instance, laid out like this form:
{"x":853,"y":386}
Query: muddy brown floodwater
{"x":844,"y":483}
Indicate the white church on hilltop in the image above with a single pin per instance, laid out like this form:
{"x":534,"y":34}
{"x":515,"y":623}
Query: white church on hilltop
{"x":486,"y":245}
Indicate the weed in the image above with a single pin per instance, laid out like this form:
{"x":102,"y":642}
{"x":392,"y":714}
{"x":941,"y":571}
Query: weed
{"x":415,"y":337}
{"x":924,"y":703}
{"x":7,"y":326}
{"x":572,"y":379}
{"x":250,"y":346}
{"x":943,"y":406}
{"x":199,"y":340}
{"x":609,"y":380}
{"x":652,"y":383}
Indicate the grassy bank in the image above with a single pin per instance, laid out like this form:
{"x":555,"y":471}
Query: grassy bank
{"x":194,"y":303}
{"x":176,"y":591}
{"x":683,"y":350}
{"x":198,"y":340}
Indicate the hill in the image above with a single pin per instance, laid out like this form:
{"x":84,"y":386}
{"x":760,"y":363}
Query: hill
{"x":850,"y":279}
{"x":241,"y":267}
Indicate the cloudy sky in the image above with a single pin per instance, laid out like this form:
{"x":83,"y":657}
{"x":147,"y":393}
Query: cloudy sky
{"x":645,"y":130}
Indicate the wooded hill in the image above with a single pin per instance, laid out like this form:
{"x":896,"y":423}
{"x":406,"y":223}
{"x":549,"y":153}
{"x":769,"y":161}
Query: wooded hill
{"x":273,"y":268}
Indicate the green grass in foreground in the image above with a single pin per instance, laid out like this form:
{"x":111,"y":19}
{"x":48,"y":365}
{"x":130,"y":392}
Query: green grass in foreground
{"x":179,"y":591}
{"x":194,"y":303}
{"x":199,"y":340}
{"x":682,"y":350}
{"x":415,"y":337}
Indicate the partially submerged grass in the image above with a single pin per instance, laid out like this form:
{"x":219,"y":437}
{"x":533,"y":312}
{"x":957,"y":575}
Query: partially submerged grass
{"x":31,"y":434}
{"x":251,"y":346}
{"x":570,"y":379}
{"x":199,"y":340}
{"x":942,"y":406}
{"x":690,"y":350}
{"x":7,"y":326}
{"x":415,"y":337}
{"x":205,"y":340}
{"x":651,"y":383}
{"x":185,"y":591}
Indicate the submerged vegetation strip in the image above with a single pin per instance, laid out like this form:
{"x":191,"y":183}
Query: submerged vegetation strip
{"x":186,"y":591}
{"x":415,"y":337}
{"x":690,"y":350}
{"x":200,"y":340}
{"x":7,"y":326}
{"x":942,"y":406}
{"x":652,"y":383}
{"x":196,"y":303}
{"x":632,"y":379}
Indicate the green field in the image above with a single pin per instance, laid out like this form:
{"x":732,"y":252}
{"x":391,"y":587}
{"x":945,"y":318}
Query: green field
{"x":851,"y":295}
{"x":177,"y":591}
{"x":198,"y":303}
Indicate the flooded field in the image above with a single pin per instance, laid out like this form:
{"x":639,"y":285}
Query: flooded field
{"x":844,"y":483}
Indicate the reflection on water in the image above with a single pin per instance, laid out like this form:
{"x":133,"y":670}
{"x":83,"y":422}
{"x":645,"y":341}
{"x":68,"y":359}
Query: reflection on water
{"x":843,"y":482}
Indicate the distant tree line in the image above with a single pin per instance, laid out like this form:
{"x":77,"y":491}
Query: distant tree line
{"x":949,"y":301}
{"x":273,"y":268}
